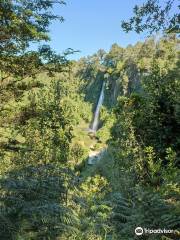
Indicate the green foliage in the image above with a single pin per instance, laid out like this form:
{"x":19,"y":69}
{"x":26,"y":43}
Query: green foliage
{"x":153,"y":16}
{"x":33,"y":203}
{"x":16,"y":34}
{"x":147,"y":210}
{"x":44,"y":133}
{"x":107,"y":120}
{"x":36,"y":135}
{"x":23,"y":23}
{"x":148,"y":155}
{"x":47,"y":130}
{"x":78,"y":152}
{"x":92,"y":208}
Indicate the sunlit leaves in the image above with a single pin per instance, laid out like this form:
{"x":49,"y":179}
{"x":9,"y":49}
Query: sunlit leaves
{"x":153,"y":17}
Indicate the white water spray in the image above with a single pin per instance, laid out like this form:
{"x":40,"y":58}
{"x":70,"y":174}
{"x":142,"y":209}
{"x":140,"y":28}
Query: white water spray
{"x":94,"y":126}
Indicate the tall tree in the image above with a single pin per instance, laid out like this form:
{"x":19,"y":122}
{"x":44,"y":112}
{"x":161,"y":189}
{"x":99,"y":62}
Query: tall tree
{"x":24,"y":22}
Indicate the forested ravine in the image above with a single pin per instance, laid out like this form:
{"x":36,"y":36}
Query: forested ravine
{"x":59,"y":180}
{"x":134,"y":177}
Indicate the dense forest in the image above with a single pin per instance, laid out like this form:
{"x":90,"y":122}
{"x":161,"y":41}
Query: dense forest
{"x":61,"y":179}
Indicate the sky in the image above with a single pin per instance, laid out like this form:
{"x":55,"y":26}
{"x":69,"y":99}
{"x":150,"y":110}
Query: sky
{"x":91,"y":25}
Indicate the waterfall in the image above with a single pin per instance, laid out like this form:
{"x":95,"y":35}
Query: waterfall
{"x":96,"y":114}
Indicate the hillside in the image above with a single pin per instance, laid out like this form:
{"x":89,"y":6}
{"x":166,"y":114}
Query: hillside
{"x":108,"y":177}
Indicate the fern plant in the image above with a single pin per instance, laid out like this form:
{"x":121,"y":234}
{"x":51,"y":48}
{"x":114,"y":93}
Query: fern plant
{"x":33,"y":203}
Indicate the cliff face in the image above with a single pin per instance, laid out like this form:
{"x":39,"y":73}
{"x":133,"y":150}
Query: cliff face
{"x":120,"y":68}
{"x":115,"y":85}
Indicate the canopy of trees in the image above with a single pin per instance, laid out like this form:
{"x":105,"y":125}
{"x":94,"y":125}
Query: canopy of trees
{"x":21,"y":24}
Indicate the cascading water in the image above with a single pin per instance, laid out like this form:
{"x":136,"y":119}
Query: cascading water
{"x":96,"y":114}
